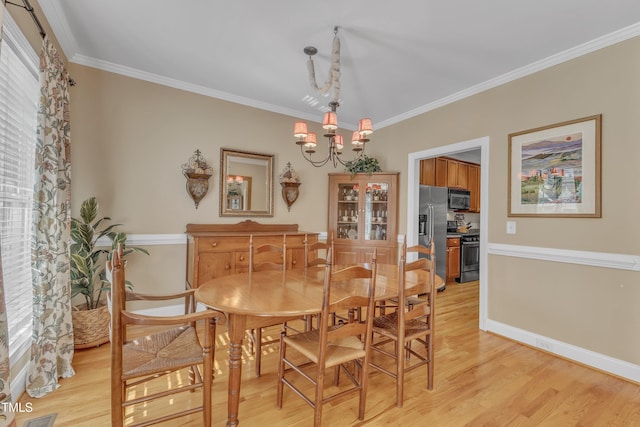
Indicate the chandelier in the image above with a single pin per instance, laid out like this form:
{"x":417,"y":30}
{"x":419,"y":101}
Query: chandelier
{"x":307,"y":140}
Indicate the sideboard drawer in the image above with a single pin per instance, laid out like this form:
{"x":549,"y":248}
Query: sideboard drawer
{"x":222,"y":244}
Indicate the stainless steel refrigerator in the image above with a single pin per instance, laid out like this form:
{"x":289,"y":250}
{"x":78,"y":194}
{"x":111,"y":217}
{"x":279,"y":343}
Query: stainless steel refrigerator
{"x":432,"y":224}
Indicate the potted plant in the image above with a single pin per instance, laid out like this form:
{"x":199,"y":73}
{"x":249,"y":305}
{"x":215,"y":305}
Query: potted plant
{"x":363,"y":164}
{"x":88,"y":275}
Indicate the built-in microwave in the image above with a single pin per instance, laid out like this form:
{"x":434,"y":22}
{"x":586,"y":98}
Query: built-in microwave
{"x":458,"y":200}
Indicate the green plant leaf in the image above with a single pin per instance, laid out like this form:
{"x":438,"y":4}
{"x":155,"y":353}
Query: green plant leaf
{"x":89,"y":210}
{"x":364,"y":164}
{"x":87,"y":272}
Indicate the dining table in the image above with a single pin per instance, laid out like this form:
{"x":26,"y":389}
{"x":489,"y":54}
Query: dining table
{"x":262,"y":298}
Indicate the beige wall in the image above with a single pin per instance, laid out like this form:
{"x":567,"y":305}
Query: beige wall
{"x":592,"y":308}
{"x":129,"y":138}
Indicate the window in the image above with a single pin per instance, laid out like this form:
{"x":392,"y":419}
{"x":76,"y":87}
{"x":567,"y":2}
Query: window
{"x":18,"y":118}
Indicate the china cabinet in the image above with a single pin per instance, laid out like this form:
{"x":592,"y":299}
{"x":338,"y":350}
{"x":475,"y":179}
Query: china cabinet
{"x":363,"y":216}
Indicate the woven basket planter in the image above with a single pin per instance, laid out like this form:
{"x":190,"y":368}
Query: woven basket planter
{"x":90,"y":327}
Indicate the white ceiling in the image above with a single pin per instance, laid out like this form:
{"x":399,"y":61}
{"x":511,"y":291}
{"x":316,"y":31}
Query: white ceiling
{"x":399,"y":58}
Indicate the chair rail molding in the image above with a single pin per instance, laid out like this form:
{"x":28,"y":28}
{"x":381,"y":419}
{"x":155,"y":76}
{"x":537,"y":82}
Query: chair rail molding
{"x":594,"y":259}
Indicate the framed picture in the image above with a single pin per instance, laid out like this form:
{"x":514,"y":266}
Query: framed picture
{"x":555,"y":171}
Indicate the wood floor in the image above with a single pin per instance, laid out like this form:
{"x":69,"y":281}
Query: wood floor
{"x":480,"y":380}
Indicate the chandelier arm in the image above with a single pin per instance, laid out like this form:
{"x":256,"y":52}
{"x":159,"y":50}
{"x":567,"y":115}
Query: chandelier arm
{"x":316,"y":163}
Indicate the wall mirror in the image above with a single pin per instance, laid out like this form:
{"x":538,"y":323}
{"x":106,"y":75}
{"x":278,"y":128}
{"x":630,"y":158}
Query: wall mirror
{"x":246,"y":183}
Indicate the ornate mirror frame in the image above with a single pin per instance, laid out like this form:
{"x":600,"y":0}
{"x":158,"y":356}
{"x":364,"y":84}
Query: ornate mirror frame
{"x":246,"y":183}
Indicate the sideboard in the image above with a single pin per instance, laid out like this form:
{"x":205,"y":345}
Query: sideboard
{"x":215,"y":250}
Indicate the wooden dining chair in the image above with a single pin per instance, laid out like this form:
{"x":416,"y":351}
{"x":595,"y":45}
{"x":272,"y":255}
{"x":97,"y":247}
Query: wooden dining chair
{"x":405,"y":326}
{"x":313,"y":252}
{"x":263,"y":257}
{"x":332,"y":346}
{"x":175,"y":345}
{"x":267,"y":256}
{"x":315,"y":255}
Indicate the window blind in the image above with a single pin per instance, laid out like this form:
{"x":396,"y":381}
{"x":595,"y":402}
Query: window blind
{"x":18,"y":119}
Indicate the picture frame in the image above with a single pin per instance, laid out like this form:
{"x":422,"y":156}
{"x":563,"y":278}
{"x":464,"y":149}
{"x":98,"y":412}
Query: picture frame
{"x":555,"y":170}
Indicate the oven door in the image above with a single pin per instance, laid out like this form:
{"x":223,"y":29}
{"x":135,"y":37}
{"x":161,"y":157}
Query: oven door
{"x":469,"y":261}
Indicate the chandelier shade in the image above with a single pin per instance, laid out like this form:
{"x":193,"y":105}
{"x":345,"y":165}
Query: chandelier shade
{"x":300,"y":130}
{"x":307,"y":140}
{"x":310,"y":141}
{"x":330,"y":121}
{"x":365,"y":127}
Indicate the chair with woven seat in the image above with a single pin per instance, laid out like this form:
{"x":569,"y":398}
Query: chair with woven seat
{"x":405,"y":326}
{"x":332,"y":346}
{"x":265,"y":257}
{"x":135,"y":362}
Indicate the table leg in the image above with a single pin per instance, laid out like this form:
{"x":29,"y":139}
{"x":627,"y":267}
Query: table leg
{"x":237,"y":326}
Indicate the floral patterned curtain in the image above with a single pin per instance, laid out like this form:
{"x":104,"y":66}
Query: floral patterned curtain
{"x":6,"y":417}
{"x":52,"y":340}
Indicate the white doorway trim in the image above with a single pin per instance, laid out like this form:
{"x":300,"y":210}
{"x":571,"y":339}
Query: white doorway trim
{"x":413,"y":182}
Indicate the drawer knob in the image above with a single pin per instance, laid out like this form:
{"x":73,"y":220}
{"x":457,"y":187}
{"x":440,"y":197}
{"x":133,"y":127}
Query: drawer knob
{"x":214,"y":244}
{"x":227,"y":267}
{"x":294,"y":262}
{"x":241,"y":257}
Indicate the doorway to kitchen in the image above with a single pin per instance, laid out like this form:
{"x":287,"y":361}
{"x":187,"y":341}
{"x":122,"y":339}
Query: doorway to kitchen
{"x":413,"y":187}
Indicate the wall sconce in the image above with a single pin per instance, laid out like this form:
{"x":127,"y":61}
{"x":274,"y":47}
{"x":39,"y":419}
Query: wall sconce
{"x":197,"y":171}
{"x":290,"y":181}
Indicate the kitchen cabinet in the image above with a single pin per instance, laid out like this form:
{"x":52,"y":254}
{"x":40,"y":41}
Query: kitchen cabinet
{"x":457,"y":174}
{"x":441,"y":172}
{"x":446,"y":172}
{"x":428,"y":171}
{"x":215,"y":250}
{"x":363,"y":216}
{"x":453,"y":258}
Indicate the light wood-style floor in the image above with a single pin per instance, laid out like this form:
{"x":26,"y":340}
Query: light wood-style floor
{"x":480,"y":380}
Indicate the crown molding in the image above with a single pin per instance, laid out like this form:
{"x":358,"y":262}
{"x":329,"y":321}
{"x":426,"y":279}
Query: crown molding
{"x":182,"y":85}
{"x":567,"y":55}
{"x":56,"y":18}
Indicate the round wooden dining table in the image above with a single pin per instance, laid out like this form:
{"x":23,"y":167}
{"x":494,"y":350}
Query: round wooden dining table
{"x":256,"y":299}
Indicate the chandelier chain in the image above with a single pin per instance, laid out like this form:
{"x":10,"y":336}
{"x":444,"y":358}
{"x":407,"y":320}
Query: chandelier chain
{"x":333,"y":79}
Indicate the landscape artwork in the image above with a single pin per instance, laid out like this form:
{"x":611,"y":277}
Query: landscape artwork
{"x":555,"y":170}
{"x":551,"y":170}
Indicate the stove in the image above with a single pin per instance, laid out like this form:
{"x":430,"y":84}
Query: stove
{"x":469,"y":257}
{"x":470,"y":237}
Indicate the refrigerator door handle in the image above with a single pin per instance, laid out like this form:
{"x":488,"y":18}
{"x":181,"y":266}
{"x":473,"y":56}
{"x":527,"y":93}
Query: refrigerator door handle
{"x":430,"y":223}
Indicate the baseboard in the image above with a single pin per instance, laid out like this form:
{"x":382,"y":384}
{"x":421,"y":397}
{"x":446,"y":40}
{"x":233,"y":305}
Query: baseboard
{"x":19,"y":383}
{"x":590,"y":358}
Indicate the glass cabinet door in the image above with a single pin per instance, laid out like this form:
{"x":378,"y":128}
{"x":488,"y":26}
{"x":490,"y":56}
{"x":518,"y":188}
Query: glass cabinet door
{"x":348,"y":211}
{"x":375,"y":211}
